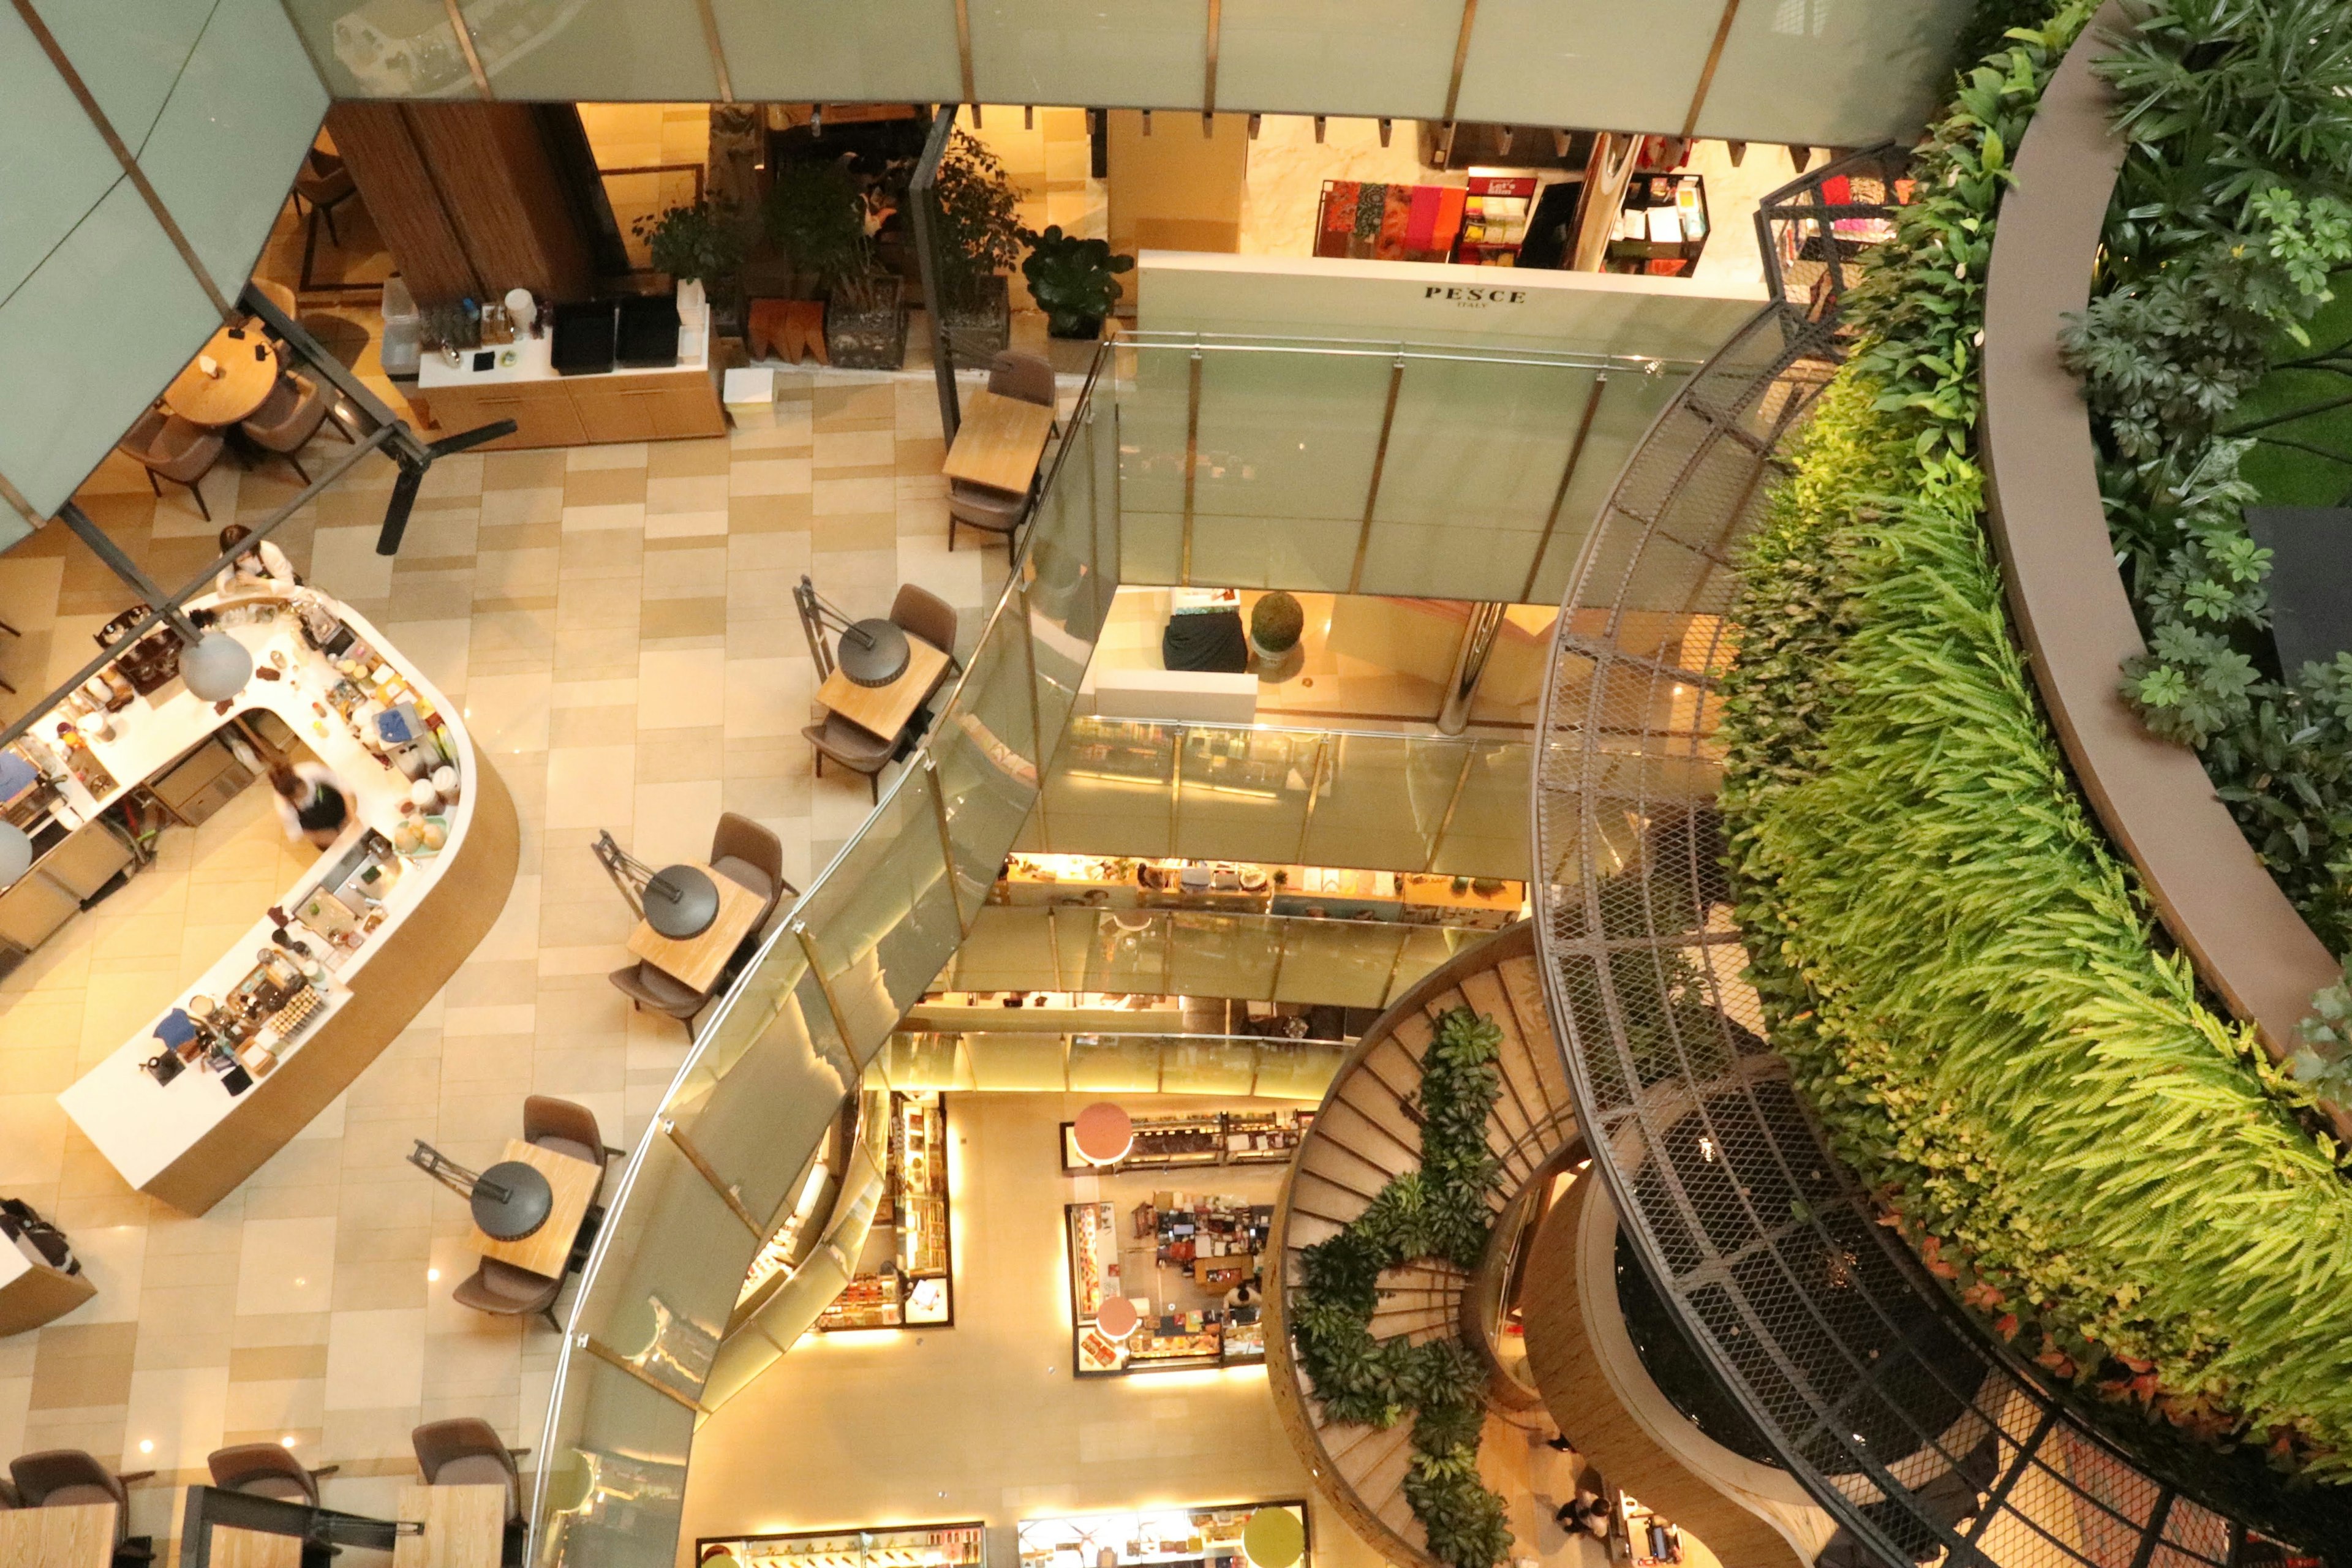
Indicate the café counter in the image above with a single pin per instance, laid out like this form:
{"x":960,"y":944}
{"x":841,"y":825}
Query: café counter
{"x":373,"y":928}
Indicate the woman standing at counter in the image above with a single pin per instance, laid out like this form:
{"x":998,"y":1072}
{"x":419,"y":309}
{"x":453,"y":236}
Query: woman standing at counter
{"x":312,"y":801}
{"x":264,"y":562}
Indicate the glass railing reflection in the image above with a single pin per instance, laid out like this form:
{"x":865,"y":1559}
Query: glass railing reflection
{"x":774,"y":1061}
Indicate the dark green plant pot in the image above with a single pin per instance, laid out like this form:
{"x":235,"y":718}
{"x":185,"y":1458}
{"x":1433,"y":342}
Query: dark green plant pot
{"x":979,"y":330}
{"x":1073,"y":326}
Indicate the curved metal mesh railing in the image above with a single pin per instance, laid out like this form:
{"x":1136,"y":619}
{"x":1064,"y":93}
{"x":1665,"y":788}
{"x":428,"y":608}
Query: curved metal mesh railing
{"x":1924,"y":1439}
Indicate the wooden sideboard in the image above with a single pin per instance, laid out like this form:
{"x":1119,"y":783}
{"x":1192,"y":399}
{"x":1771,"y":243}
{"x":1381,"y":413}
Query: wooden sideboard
{"x":578,"y":411}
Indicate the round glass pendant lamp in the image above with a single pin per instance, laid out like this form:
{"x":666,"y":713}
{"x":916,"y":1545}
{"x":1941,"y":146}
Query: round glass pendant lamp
{"x":1104,"y":1133}
{"x":215,"y":667}
{"x":1118,"y":1318}
{"x":1274,"y":1538}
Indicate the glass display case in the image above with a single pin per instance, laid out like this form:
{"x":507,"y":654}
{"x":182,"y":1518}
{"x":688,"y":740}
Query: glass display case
{"x":906,"y":1277}
{"x":1210,"y":1138}
{"x":963,"y":1544}
{"x":1212,"y":1242}
{"x":1204,"y":1537}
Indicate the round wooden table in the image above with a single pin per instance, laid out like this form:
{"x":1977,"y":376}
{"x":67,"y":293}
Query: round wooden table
{"x":247,"y":371}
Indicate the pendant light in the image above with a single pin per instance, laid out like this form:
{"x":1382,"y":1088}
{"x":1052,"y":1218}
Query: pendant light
{"x":217,"y":666}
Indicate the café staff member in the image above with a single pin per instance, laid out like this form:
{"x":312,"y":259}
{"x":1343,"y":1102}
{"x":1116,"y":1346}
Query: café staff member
{"x":262,"y":562}
{"x":312,"y":801}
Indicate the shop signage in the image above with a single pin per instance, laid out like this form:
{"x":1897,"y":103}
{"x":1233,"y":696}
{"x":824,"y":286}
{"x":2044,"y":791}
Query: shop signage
{"x":1475,"y":295}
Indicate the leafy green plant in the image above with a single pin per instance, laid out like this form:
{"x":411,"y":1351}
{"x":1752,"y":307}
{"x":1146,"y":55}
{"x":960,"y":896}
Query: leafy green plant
{"x":1439,"y":1211}
{"x":816,"y":216}
{"x":1075,"y":281}
{"x":978,"y":220}
{"x":1276,"y":623}
{"x":706,"y":241}
{"x":1967,"y":983}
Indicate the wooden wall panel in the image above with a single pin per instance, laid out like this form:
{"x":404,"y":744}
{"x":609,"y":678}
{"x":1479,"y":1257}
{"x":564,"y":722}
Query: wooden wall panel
{"x":403,"y":198}
{"x":504,"y":199}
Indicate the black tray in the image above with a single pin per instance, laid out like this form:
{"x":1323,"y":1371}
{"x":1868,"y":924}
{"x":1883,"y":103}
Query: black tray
{"x":585,"y":336}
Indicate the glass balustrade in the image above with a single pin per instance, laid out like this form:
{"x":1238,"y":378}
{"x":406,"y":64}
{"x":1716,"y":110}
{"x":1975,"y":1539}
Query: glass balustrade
{"x":1381,"y":469}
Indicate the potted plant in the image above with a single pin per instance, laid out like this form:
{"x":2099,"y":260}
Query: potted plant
{"x":698,"y":245}
{"x":1072,"y":281}
{"x":865,"y":311}
{"x":978,"y":233}
{"x":814,"y":220}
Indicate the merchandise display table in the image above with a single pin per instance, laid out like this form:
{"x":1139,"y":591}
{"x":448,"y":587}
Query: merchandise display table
{"x":381,"y":920}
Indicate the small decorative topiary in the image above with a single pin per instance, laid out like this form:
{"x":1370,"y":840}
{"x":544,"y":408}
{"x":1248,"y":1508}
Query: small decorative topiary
{"x":1276,"y":623}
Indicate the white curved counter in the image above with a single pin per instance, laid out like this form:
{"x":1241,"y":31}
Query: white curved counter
{"x":190,"y":1142}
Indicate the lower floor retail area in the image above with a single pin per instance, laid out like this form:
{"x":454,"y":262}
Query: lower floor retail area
{"x":1003,"y":1439}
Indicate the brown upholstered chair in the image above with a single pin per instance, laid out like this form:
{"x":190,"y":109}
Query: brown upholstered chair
{"x":1027,"y":376}
{"x":290,"y":417}
{"x":919,"y":613}
{"x":324,"y":183}
{"x":171,"y":448}
{"x":280,"y":296}
{"x":989,"y":510}
{"x":564,"y":1127}
{"x":467,"y":1452}
{"x":265,"y":1469}
{"x":647,"y":986}
{"x":744,"y":851}
{"x":854,"y":748}
{"x":506,"y":1290}
{"x":68,"y":1477}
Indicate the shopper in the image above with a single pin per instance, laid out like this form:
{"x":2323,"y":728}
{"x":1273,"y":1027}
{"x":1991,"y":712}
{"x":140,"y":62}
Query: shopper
{"x":312,"y":802}
{"x":262,"y":562}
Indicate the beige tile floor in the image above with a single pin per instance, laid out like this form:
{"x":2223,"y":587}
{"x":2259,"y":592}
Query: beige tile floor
{"x":616,"y":623}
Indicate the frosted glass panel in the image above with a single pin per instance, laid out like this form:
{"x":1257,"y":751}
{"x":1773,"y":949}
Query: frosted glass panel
{"x":1337,"y":57}
{"x":1225,"y":955}
{"x":834,"y":50}
{"x":372,"y":50}
{"x":232,"y":133}
{"x":1290,"y":439}
{"x":1244,"y":794}
{"x":880,"y":922}
{"x":613,"y":1470}
{"x":127,"y":53}
{"x":1344,"y":963}
{"x":1117,"y":53}
{"x":88,"y":340}
{"x":1110,"y":789}
{"x":1114,"y":1064}
{"x":1383,"y":799}
{"x":606,"y":50}
{"x":1487,"y":835}
{"x":1008,"y":950}
{"x":1628,"y":405}
{"x":54,"y":167}
{"x":1475,"y":456}
{"x":1889,"y":61}
{"x":1628,"y":65}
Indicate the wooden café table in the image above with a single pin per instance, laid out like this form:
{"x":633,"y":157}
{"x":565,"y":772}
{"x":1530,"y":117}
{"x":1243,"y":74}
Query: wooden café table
{"x":79,"y":1537}
{"x":249,"y":369}
{"x":999,"y":442}
{"x":884,"y":710}
{"x":464,"y":1526}
{"x":697,"y":960}
{"x":572,"y":1185}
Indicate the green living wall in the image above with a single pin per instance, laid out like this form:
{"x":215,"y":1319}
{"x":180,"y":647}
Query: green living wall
{"x":1966,"y":979}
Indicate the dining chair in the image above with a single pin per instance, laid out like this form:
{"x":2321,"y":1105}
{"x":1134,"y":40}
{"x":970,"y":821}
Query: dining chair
{"x":1014,"y":372}
{"x":325,"y":182}
{"x":280,"y":296}
{"x":171,"y":448}
{"x":290,"y":417}
{"x":648,"y":985}
{"x":467,"y":1452}
{"x":854,"y":747}
{"x":990,"y":510}
{"x":69,"y":1477}
{"x":266,"y":1470}
{"x":507,"y":1291}
{"x":566,"y":1127}
{"x":745,"y":852}
{"x":920,"y":613}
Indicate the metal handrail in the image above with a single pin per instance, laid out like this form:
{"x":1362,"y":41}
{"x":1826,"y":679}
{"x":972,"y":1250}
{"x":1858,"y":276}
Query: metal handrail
{"x":1400,"y":348}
